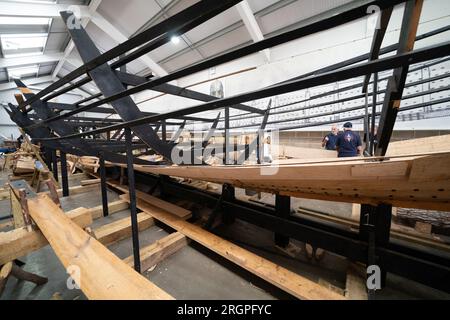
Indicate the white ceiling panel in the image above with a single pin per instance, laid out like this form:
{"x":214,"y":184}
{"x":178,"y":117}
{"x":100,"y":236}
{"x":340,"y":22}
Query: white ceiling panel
{"x":225,"y":42}
{"x":257,"y":5}
{"x":186,"y":59}
{"x":172,"y":10}
{"x":167,"y":50}
{"x":55,"y":42}
{"x":214,"y":25}
{"x":128,"y":16}
{"x":46,"y":69}
{"x":295,"y":12}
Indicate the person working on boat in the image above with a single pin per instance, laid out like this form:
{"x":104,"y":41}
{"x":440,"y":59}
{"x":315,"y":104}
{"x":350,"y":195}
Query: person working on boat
{"x":329,"y":141}
{"x":348,"y":143}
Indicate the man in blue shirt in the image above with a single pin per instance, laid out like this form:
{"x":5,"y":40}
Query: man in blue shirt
{"x":348,"y":143}
{"x":329,"y":141}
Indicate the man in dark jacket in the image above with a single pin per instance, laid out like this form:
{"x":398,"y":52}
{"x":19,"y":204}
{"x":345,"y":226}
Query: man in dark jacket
{"x":348,"y":143}
{"x":329,"y":141}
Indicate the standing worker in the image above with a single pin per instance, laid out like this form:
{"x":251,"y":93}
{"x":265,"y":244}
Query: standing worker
{"x":348,"y":143}
{"x":329,"y":141}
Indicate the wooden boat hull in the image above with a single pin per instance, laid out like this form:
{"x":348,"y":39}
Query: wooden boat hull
{"x":404,"y":181}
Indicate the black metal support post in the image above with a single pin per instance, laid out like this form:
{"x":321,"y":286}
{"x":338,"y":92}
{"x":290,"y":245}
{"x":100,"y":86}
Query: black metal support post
{"x":228,"y":194}
{"x":64,"y":177}
{"x":55,"y":164}
{"x":282,"y":210}
{"x":374,"y":112}
{"x":103,"y":184}
{"x":133,"y":209}
{"x":227,"y":135}
{"x":48,"y":155}
{"x":375,"y":223}
{"x":164,"y":131}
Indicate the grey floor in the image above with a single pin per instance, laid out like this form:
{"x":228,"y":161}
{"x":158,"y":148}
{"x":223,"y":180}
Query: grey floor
{"x":196,"y":273}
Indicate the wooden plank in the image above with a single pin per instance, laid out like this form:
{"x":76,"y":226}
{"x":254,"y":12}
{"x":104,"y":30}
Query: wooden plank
{"x":4,"y":195}
{"x":121,"y":229}
{"x":7,"y":224}
{"x":421,"y":145}
{"x":169,"y":207}
{"x":19,"y":242}
{"x":113,"y":207}
{"x":172,"y":208}
{"x":5,"y":271}
{"x":423,"y":227}
{"x":89,"y":182}
{"x":36,"y":152}
{"x":284,"y":279}
{"x":156,"y":252}
{"x":355,"y":284}
{"x":103,"y":274}
{"x":404,"y":181}
{"x":16,"y":210}
{"x":397,"y":231}
{"x":79,"y":190}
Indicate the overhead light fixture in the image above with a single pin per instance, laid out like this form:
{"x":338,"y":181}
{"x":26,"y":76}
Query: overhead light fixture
{"x":175,"y":39}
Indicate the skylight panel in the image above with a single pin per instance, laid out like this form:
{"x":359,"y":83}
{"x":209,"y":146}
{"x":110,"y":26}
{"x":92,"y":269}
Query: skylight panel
{"x":20,"y":72}
{"x":24,"y":21}
{"x":23,"y":41}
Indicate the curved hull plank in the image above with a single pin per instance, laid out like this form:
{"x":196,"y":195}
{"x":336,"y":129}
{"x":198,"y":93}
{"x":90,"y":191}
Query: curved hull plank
{"x":408,"y":181}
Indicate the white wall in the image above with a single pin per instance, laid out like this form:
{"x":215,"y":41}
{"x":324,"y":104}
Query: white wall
{"x":305,"y":55}
{"x":7,"y":126}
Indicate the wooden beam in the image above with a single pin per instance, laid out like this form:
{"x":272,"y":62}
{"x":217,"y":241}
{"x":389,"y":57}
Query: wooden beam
{"x":284,"y":279}
{"x":397,"y":231}
{"x":172,"y":208}
{"x":103,"y":274}
{"x":421,"y":145}
{"x":121,"y":229}
{"x":89,"y":182}
{"x":5,"y":271}
{"x":403,"y":181}
{"x":396,"y":82}
{"x":113,"y":207}
{"x":79,"y":190}
{"x":36,"y":151}
{"x":355,"y":284}
{"x":158,"y":251}
{"x":7,"y":224}
{"x":19,"y":242}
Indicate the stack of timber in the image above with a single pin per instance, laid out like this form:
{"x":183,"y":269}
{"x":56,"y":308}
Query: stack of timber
{"x":90,"y":164}
{"x":425,"y":221}
{"x":23,"y":164}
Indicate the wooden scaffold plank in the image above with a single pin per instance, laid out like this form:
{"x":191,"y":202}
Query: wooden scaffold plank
{"x":103,"y":274}
{"x":284,"y":279}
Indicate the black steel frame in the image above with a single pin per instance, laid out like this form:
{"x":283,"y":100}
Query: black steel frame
{"x":48,"y":125}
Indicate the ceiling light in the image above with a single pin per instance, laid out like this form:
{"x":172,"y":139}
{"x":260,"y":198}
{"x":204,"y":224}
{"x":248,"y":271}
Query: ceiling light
{"x":175,"y":39}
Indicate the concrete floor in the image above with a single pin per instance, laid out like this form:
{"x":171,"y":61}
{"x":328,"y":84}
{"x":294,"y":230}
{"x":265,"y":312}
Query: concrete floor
{"x":196,"y":273}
